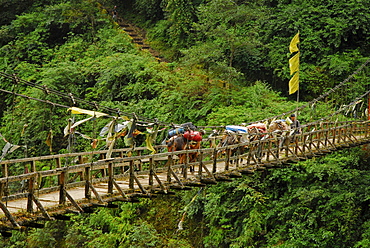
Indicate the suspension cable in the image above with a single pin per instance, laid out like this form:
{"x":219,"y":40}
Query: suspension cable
{"x":321,"y":96}
{"x":112,"y":110}
{"x":75,"y":99}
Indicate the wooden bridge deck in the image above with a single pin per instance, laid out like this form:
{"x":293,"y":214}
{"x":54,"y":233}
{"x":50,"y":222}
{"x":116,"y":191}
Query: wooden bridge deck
{"x":76,"y":187}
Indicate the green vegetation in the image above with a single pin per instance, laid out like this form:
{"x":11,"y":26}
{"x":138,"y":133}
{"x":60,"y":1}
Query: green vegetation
{"x":229,"y":64}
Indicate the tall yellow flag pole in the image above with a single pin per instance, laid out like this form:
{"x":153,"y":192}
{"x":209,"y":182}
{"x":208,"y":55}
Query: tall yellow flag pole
{"x":294,"y":66}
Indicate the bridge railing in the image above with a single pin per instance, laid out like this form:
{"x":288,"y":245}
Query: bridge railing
{"x":142,"y":172}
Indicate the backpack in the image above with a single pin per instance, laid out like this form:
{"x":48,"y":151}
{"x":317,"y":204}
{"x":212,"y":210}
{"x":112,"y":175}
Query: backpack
{"x":193,"y":135}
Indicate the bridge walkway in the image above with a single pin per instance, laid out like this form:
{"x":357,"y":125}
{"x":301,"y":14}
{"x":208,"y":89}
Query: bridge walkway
{"x":87,"y":182}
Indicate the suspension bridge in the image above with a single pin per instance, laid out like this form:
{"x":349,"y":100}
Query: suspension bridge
{"x":89,"y":182}
{"x":76,"y":182}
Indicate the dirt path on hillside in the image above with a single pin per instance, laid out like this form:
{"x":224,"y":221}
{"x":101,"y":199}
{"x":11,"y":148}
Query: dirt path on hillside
{"x":138,"y":36}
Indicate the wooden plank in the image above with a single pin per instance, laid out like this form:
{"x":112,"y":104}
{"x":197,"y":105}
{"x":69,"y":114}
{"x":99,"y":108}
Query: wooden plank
{"x":8,"y":215}
{"x":139,"y":184}
{"x":119,"y":189}
{"x":74,"y":203}
{"x":39,"y":205}
{"x":96,"y":193}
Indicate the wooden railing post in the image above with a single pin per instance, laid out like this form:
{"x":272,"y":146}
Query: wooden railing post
{"x":31,"y":188}
{"x":103,"y":172}
{"x":318,"y":139}
{"x":151,"y":172}
{"x":3,"y":186}
{"x":200,"y":156}
{"x":326,"y":137}
{"x":286,"y":143}
{"x":310,"y":141}
{"x":214,"y":166}
{"x":87,"y":182}
{"x":81,"y":161}
{"x":132,"y":176}
{"x":227,"y":162}
{"x":140,"y":165}
{"x":334,"y":132}
{"x":170,"y":163}
{"x":62,"y":187}
{"x":58,"y":162}
{"x":110,"y":178}
{"x":239,"y":149}
{"x":122,"y":168}
{"x":185,"y":166}
{"x":269,"y":146}
{"x":259,"y":151}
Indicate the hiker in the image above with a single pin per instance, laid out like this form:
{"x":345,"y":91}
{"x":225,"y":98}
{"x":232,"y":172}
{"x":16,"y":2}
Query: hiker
{"x":295,"y":124}
{"x":114,"y":13}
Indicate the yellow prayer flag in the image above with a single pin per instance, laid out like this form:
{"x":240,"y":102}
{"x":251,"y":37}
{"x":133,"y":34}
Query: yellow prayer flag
{"x":49,"y":140}
{"x":294,"y":83}
{"x":77,"y":111}
{"x":148,"y":142}
{"x":293,"y":44}
{"x":294,"y":63}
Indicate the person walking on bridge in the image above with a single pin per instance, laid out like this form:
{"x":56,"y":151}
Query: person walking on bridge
{"x":295,"y":125}
{"x":115,"y":13}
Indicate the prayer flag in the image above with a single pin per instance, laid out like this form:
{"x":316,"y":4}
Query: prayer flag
{"x":294,"y":83}
{"x":294,"y":63}
{"x":293,"y":44}
{"x":77,"y":111}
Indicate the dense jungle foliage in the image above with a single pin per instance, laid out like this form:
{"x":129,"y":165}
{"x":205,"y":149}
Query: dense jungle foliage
{"x":229,"y":64}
